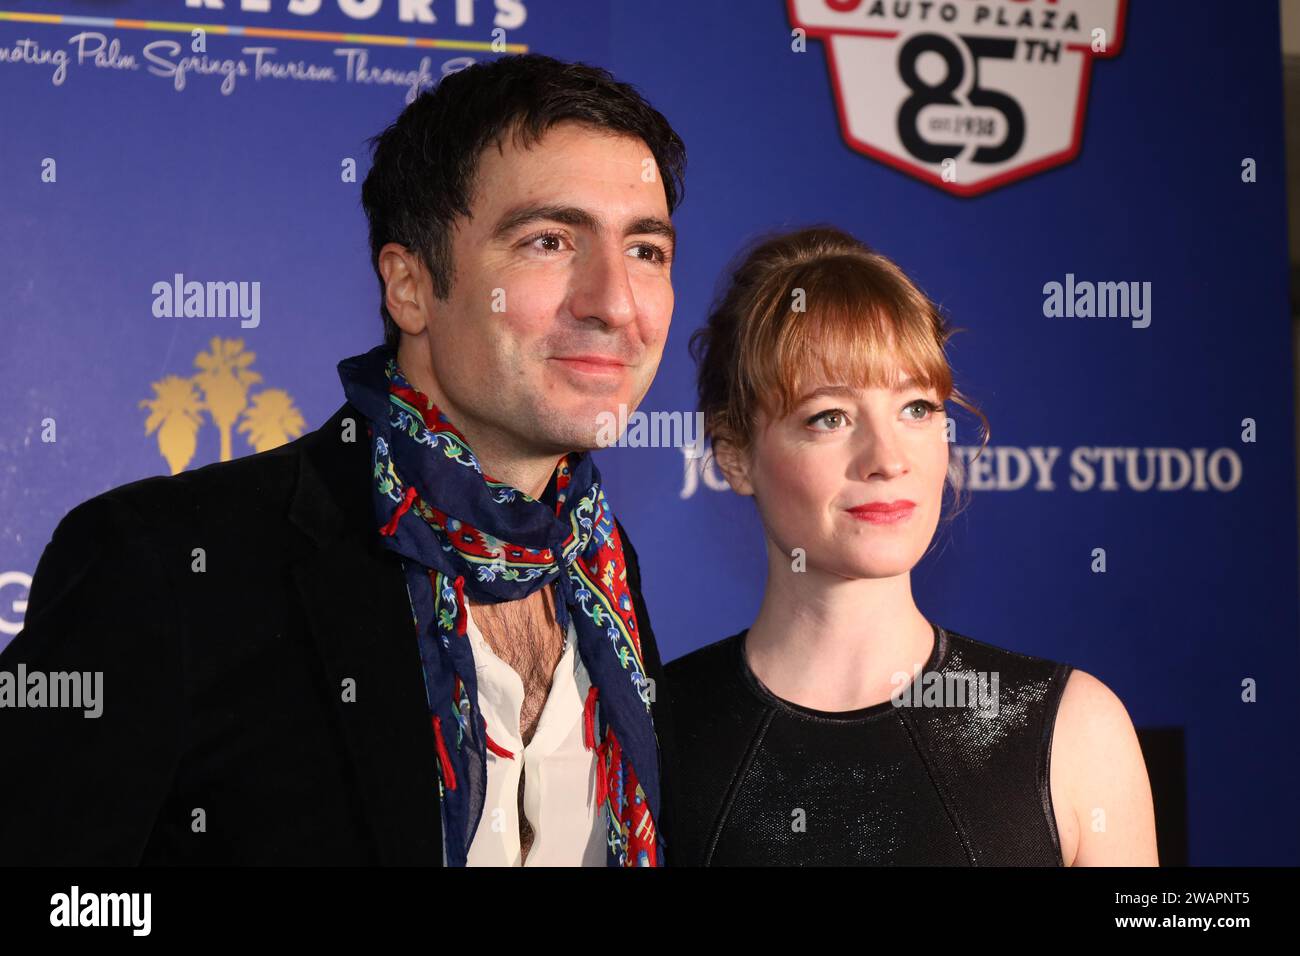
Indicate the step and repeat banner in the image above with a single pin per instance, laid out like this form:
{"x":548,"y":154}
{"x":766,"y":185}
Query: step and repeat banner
{"x":1093,"y":190}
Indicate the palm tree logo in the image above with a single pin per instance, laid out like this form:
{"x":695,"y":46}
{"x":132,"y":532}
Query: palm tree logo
{"x":224,"y":378}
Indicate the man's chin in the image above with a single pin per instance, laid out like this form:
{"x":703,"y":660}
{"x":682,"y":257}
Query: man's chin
{"x":582,"y":427}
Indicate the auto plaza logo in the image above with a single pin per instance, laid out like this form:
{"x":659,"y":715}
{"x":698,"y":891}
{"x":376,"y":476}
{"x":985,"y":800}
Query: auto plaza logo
{"x":967,"y":95}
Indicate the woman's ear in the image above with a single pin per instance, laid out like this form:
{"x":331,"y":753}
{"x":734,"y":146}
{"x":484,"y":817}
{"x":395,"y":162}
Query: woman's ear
{"x":734,"y":465}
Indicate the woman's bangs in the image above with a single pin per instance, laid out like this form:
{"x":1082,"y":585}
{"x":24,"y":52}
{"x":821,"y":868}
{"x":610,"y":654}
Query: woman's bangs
{"x":861,"y":346}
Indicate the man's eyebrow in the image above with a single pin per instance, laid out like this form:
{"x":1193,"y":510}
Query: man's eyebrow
{"x":519,"y":216}
{"x":513,"y":219}
{"x":653,"y":226}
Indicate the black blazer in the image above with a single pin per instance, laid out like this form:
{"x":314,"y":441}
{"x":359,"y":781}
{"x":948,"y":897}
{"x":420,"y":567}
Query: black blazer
{"x":222,"y":681}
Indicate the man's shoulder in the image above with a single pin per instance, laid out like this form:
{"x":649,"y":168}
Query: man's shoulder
{"x":703,"y":668}
{"x":235,"y":492}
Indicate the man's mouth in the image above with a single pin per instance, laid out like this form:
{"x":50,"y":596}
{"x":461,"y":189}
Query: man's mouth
{"x":592,"y":364}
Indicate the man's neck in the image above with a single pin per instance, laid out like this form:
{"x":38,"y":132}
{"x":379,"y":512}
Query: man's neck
{"x":496,"y":453}
{"x":531,"y":474}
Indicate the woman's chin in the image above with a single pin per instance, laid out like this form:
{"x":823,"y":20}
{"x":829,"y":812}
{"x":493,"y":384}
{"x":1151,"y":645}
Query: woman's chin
{"x":877,"y":565}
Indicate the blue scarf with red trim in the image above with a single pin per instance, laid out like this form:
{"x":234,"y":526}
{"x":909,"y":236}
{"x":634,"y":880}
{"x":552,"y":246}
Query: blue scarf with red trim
{"x":460,"y":532}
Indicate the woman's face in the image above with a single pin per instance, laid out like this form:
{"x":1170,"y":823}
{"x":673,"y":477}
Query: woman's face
{"x":854,"y":477}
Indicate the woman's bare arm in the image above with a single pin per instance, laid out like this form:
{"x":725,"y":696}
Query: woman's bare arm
{"x":1100,"y":788}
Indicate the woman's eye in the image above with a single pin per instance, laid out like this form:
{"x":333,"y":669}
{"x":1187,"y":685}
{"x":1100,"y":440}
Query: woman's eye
{"x":924,"y":407}
{"x":834,"y":417}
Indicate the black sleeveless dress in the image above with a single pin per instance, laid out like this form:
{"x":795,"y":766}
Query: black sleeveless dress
{"x":766,"y":782}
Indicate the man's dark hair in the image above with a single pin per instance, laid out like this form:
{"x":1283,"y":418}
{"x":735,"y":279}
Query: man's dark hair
{"x":423,"y":166}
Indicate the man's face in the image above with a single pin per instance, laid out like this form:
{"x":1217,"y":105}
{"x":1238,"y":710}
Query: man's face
{"x":561,"y":296}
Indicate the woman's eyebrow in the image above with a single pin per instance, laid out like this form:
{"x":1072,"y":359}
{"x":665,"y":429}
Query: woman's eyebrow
{"x":829,"y":390}
{"x":845,"y":390}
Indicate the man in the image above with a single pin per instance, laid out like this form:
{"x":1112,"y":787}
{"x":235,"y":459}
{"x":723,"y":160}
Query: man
{"x":415,"y":635}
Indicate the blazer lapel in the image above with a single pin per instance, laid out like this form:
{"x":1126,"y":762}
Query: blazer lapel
{"x":359,"y":615}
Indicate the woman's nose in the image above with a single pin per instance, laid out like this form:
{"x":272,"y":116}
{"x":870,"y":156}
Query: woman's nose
{"x":881,"y":453}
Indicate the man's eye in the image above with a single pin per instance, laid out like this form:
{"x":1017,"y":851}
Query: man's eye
{"x":554,"y":241}
{"x":657,"y":253}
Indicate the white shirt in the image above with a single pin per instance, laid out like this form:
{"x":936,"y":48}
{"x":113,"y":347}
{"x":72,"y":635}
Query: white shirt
{"x":559,"y":772}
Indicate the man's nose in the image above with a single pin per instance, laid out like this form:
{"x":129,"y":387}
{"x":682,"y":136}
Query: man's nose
{"x":601,"y":287}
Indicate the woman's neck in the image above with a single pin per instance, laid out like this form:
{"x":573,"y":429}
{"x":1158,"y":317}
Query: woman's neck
{"x":831,"y":643}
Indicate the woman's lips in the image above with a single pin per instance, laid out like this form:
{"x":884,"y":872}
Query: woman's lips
{"x":884,"y":512}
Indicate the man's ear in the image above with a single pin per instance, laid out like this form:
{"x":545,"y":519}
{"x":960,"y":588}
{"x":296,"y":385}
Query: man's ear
{"x":406,"y":287}
{"x":734,"y":466}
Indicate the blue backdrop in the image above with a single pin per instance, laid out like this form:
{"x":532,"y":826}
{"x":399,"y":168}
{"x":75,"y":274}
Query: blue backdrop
{"x":155,"y":172}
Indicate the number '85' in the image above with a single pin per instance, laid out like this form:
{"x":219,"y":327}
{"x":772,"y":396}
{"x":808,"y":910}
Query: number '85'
{"x":944,"y":93}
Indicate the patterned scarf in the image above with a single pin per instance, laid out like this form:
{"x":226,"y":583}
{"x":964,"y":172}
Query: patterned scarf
{"x":460,"y":532}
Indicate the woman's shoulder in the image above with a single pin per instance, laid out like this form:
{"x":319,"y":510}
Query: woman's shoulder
{"x":1077,"y":698}
{"x":963,"y":652}
{"x":1093,"y":754}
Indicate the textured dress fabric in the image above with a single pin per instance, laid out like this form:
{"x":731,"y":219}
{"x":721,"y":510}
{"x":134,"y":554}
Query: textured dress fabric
{"x":959,"y":776}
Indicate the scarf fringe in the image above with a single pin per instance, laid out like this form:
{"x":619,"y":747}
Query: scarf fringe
{"x":497,"y":749}
{"x":589,"y":742}
{"x":589,"y":719}
{"x":389,"y":528}
{"x":444,"y":759}
{"x":462,"y":614}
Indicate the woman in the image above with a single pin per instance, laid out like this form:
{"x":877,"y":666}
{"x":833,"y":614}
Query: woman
{"x":842,"y":726}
